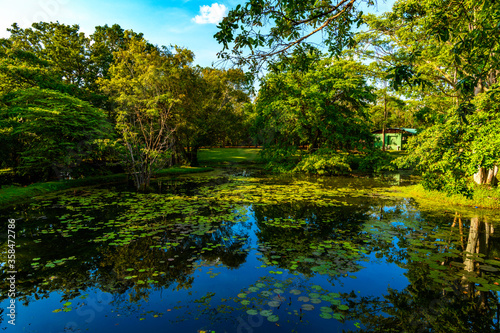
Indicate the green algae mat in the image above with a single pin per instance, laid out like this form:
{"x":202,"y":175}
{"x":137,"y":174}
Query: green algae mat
{"x":254,"y":253}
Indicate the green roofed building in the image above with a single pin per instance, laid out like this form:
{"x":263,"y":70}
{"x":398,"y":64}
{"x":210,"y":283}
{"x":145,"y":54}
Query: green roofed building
{"x":395,"y":138}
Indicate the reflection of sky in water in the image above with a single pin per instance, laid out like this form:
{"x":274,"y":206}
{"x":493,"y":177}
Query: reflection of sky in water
{"x":186,"y":310}
{"x":103,"y":312}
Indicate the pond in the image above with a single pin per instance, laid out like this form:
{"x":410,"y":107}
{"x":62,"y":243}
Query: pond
{"x":224,"y":252}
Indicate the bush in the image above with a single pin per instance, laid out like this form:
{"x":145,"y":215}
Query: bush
{"x":374,"y":160}
{"x":324,"y":161}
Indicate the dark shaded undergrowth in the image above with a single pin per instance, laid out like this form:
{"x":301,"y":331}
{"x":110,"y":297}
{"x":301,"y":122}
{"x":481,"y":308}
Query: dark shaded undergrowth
{"x":14,"y":194}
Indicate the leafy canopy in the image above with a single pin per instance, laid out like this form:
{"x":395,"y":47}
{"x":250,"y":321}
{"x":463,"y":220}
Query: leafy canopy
{"x":322,"y":107}
{"x":261,"y":29}
{"x":150,"y":87}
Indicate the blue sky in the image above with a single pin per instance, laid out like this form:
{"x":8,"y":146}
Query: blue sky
{"x":187,"y":23}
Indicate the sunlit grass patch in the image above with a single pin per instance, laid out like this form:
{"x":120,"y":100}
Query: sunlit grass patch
{"x":483,"y":197}
{"x":229,"y":155}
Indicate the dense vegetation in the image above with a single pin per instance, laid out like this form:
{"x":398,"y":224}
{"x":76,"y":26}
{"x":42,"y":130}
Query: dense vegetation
{"x":437,"y":59}
{"x":110,"y":110}
{"x":73,"y":105}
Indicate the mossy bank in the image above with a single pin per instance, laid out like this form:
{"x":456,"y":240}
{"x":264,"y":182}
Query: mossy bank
{"x":14,"y":194}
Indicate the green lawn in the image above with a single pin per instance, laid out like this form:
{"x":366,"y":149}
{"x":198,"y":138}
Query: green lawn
{"x":228,"y":155}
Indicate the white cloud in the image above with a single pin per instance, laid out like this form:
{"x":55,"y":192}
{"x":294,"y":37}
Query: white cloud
{"x":211,"y":14}
{"x":25,"y":12}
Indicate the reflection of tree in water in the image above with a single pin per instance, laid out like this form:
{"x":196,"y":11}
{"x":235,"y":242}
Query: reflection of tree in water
{"x":452,"y":289}
{"x":286,"y":240}
{"x":109,"y":268}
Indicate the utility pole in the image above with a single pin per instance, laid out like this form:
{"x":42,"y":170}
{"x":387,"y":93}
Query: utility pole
{"x":385,"y":116}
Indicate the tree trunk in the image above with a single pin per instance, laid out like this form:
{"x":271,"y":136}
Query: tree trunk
{"x":472,"y":247}
{"x":479,"y":176}
{"x":193,"y":157}
{"x":385,"y":119}
{"x":483,"y":176}
{"x":492,"y":174}
{"x":383,"y":137}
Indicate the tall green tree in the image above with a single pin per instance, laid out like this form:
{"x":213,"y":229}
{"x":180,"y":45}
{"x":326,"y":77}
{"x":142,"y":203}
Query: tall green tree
{"x":79,"y":61}
{"x":217,"y":115}
{"x":149,"y":87}
{"x":321,"y":105}
{"x":451,"y":49}
{"x":389,"y":111}
{"x":45,"y":131}
{"x":63,"y":46}
{"x":54,"y":132}
{"x":103,"y":43}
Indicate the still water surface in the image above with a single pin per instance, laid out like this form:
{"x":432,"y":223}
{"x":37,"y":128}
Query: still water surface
{"x":228,"y":253}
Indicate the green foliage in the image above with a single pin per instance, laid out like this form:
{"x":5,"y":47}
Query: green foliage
{"x":224,"y":95}
{"x":484,"y":130}
{"x":256,"y":31}
{"x":373,"y":160}
{"x":215,"y":114}
{"x":391,"y":111}
{"x":448,"y":47}
{"x":62,"y":46}
{"x":321,"y":106}
{"x":75,"y":60}
{"x":324,"y":162}
{"x":53,"y":131}
{"x":450,"y":50}
{"x":449,"y":153}
{"x":47,"y":124}
{"x":438,"y":153}
{"x":161,"y":104}
{"x":23,"y":69}
{"x":150,"y":87}
{"x":280,"y":159}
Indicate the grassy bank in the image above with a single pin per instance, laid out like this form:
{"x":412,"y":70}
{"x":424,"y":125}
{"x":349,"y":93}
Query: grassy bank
{"x":483,"y":197}
{"x":13,"y":194}
{"x":228,"y":156}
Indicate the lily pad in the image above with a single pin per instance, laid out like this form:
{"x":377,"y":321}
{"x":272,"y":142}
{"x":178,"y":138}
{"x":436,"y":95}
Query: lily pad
{"x":273,"y":318}
{"x":303,"y":299}
{"x":266,"y":313}
{"x":338,"y":316}
{"x":252,"y":312}
{"x":295,"y":292}
{"x":325,"y":315}
{"x":307,"y":307}
{"x":274,"y":304}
